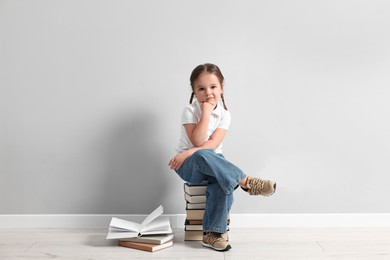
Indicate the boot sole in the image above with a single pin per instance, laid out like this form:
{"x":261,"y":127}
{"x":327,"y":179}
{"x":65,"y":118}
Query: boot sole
{"x":266,"y":195}
{"x":217,"y":249}
{"x":272,"y":192}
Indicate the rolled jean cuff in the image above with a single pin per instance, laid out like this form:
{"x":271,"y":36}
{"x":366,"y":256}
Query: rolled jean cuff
{"x":216,"y":230}
{"x":234,"y":185}
{"x":231,"y":188}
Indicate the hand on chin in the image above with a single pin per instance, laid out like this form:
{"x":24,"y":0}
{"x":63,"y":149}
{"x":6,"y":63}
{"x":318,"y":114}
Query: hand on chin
{"x":210,"y":101}
{"x":208,"y":106}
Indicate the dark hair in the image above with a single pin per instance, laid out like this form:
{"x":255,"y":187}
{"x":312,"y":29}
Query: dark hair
{"x":210,"y":68}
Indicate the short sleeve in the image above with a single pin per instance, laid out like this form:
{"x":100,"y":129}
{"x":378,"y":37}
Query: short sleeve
{"x":225,"y":120}
{"x":189,"y":115}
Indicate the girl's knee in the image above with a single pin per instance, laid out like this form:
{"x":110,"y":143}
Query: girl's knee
{"x":204,"y":153}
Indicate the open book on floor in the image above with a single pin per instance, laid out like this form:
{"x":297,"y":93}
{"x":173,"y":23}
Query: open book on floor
{"x":153,"y":224}
{"x":151,"y":239}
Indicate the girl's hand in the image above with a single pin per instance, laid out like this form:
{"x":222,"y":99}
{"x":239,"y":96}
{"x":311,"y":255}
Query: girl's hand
{"x":176,"y":162}
{"x":208,"y":106}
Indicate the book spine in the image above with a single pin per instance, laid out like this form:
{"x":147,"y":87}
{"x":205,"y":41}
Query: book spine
{"x":190,"y":205}
{"x":197,"y":189}
{"x":195,"y":197}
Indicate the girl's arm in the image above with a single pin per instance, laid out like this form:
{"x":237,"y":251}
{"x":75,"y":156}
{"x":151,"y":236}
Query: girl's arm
{"x":197,"y":133}
{"x":213,"y":142}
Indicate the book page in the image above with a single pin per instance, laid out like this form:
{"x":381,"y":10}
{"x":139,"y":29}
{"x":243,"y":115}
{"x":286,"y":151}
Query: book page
{"x":157,"y":212}
{"x":124,"y":225}
{"x":121,"y":234}
{"x":160,"y":225}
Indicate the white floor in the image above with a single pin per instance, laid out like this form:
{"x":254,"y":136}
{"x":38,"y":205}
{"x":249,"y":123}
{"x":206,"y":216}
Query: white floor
{"x":267,"y":243}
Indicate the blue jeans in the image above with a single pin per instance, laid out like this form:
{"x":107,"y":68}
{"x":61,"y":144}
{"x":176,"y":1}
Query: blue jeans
{"x":223,"y":178}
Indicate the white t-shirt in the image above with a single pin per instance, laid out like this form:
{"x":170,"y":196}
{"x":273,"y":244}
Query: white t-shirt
{"x":220,"y":118}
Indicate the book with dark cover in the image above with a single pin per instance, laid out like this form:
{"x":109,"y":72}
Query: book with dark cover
{"x":193,"y":222}
{"x":190,"y":225}
{"x":197,"y":235}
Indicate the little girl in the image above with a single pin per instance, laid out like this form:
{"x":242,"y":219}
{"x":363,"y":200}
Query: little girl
{"x":199,"y":154}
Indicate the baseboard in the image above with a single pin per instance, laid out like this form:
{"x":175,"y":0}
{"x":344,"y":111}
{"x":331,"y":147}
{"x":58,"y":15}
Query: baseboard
{"x":68,"y":220}
{"x":177,"y":220}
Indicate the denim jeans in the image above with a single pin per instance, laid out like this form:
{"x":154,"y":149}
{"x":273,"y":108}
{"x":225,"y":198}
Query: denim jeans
{"x":223,"y":178}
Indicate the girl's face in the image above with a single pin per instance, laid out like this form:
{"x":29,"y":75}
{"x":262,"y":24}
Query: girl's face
{"x":207,"y":88}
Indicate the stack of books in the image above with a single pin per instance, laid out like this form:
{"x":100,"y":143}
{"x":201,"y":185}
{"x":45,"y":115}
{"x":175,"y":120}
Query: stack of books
{"x":153,"y":234}
{"x":149,"y":243}
{"x":195,"y":196}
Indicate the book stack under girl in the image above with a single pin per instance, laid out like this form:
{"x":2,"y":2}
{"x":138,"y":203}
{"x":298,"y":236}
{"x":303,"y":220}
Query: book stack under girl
{"x":195,"y":197}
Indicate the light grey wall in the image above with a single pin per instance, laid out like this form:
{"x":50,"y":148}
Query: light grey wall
{"x":92,"y":92}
